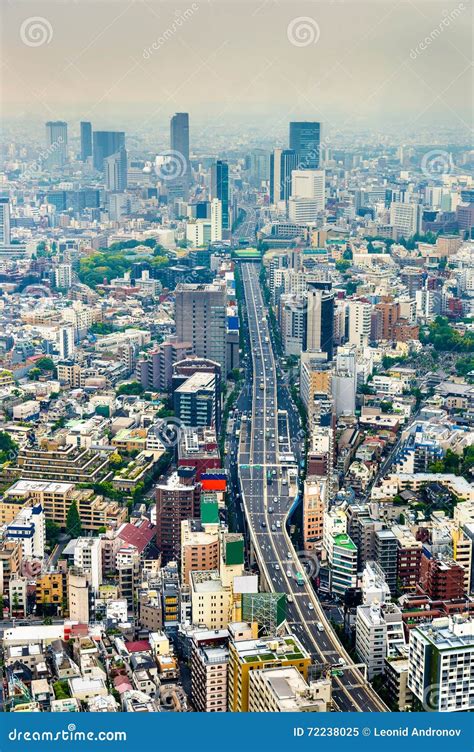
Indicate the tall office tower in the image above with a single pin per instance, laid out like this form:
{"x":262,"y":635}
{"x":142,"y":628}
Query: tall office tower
{"x":405,"y":218}
{"x":115,"y":171}
{"x":319,"y":323}
{"x":5,"y":237}
{"x":360,"y":317}
{"x":201,"y":318}
{"x":305,"y":141}
{"x":220,"y":189}
{"x":86,"y":140}
{"x":282,"y":164}
{"x":259,"y":166}
{"x":66,"y":342}
{"x":56,"y":143}
{"x":106,"y":143}
{"x":179,"y":138}
{"x":216,"y":220}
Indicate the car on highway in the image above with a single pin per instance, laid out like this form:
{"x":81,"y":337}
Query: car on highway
{"x":320,"y":626}
{"x":310,"y":606}
{"x":277,"y":567}
{"x":270,"y":510}
{"x":288,"y":572}
{"x":273,"y":529}
{"x":263,"y":523}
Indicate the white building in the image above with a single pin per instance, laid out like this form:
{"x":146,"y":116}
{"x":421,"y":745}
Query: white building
{"x":88,"y":557}
{"x":309,"y":184}
{"x":359,"y":322}
{"x":441,"y":664}
{"x":63,"y":276}
{"x":405,"y":218}
{"x":29,"y":528}
{"x":198,"y":232}
{"x":379,"y":630}
{"x":303,"y":210}
{"x":66,"y":344}
{"x":216,"y":220}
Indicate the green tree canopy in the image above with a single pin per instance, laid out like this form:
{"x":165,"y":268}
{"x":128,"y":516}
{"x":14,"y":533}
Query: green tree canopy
{"x":73,"y":521}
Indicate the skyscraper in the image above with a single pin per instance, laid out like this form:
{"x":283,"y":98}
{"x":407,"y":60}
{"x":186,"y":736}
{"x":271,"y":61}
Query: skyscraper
{"x":220,"y":189}
{"x":305,"y":141}
{"x":86,"y":140}
{"x":201,"y":318}
{"x":5,"y":238}
{"x":216,"y":220}
{"x":106,"y":143}
{"x":319,"y":326}
{"x":282,"y":163}
{"x":179,"y":142}
{"x":115,"y":171}
{"x":56,"y":143}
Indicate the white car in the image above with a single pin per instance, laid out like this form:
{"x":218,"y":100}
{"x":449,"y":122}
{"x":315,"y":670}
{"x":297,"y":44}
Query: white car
{"x":310,"y":606}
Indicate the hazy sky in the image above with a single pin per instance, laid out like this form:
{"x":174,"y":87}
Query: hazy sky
{"x":344,"y":62}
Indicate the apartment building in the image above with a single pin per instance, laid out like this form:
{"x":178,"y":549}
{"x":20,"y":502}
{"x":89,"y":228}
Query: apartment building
{"x":248,"y":655}
{"x":209,"y":666}
{"x":441,"y":664}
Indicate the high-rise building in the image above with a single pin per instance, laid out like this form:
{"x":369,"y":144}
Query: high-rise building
{"x":115,"y":171}
{"x":5,"y":236}
{"x":156,"y":369}
{"x":179,"y":140}
{"x":209,"y":659}
{"x":309,"y":184}
{"x":259,"y":166}
{"x":86,"y":140}
{"x":305,"y":141}
{"x":405,"y":218}
{"x":220,"y":189}
{"x":56,"y":143}
{"x":441,"y":664}
{"x":360,"y":317}
{"x":177,"y":499}
{"x":66,"y":342}
{"x":201,"y":318}
{"x":106,"y":143}
{"x":319,"y":319}
{"x":282,"y":164}
{"x":216,"y":220}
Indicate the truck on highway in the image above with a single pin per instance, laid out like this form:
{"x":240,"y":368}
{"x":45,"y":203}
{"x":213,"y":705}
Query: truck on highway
{"x":299,"y":578}
{"x":262,"y":385}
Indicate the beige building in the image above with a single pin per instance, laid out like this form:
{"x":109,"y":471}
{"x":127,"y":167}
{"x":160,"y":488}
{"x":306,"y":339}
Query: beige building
{"x":284,"y":690}
{"x":78,"y":597}
{"x":314,"y":502}
{"x":211,"y":602}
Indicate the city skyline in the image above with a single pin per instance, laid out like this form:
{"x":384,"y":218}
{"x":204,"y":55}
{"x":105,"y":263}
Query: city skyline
{"x":276,"y":60}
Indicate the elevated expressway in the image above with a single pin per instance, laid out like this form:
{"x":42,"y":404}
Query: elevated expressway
{"x":263,"y":480}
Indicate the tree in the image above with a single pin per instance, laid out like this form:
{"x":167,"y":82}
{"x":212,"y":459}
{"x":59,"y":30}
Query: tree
{"x":73,"y":521}
{"x":45,"y":364}
{"x":52,"y":533}
{"x":133,"y":388}
{"x":8,"y":447}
